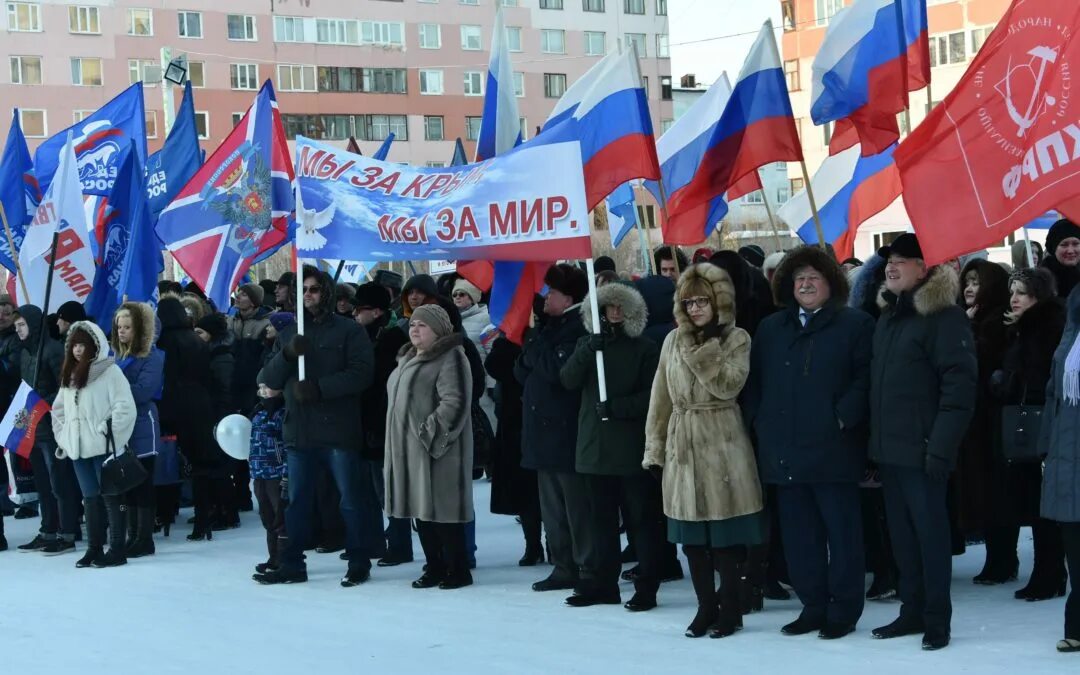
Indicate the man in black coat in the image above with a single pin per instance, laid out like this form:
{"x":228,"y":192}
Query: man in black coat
{"x":549,"y":425}
{"x":322,"y":426}
{"x":807,"y":403}
{"x":922,"y":397}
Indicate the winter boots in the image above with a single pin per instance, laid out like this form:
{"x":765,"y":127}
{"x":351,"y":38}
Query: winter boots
{"x":141,"y":522}
{"x":94,"y":510}
{"x":116,"y":512}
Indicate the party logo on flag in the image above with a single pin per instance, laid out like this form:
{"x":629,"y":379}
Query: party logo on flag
{"x":19,"y":426}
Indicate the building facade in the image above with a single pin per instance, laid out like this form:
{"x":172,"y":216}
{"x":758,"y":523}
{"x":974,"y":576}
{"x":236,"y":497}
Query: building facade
{"x":341,"y":68}
{"x":957,"y":30}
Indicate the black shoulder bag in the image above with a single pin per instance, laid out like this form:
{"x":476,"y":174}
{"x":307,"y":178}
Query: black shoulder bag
{"x":1020,"y":431}
{"x":119,"y":473}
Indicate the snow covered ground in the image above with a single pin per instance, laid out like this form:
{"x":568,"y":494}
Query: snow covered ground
{"x":194,"y":608}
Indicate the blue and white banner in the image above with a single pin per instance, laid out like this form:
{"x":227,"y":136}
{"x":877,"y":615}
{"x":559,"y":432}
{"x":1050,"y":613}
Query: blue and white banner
{"x":527,"y":204}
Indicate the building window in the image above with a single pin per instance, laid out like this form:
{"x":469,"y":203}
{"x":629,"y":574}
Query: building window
{"x":592,"y":5}
{"x":84,"y":20}
{"x":296,"y":78}
{"x":24,"y":17}
{"x":472,"y":128}
{"x":902,"y":123}
{"x":978,"y":37}
{"x":288,"y":29}
{"x":469,"y":2}
{"x":25,"y":69}
{"x":189,"y":24}
{"x":791,"y":72}
{"x":523,"y":128}
{"x":85,"y":72}
{"x":238,"y":117}
{"x":137,"y":70}
{"x":645,"y":86}
{"x":554,"y":85}
{"x":140,"y":22}
{"x":384,"y":81}
{"x":340,"y":79}
{"x":661,"y":7}
{"x":519,"y":85}
{"x":666,"y":124}
{"x":755,"y":197}
{"x":796,"y":186}
{"x":825,"y":9}
{"x":553,"y":41}
{"x":241,"y":27}
{"x":474,"y":83}
{"x":633,"y":6}
{"x":337,"y":32}
{"x":321,"y":127}
{"x":197,"y":74}
{"x":551,"y":4}
{"x":595,"y":43}
{"x":431,"y":82}
{"x":665,"y":87}
{"x":386,"y":33}
{"x":470,"y":38}
{"x":662,"y":46}
{"x":33,"y":123}
{"x":513,"y":38}
{"x":433,"y":127}
{"x":378,"y":127}
{"x":787,"y":11}
{"x":202,"y":124}
{"x":782,"y":195}
{"x":244,"y":76}
{"x":510,"y":3}
{"x":637,"y":40}
{"x":79,"y":115}
{"x":151,"y":123}
{"x":947,"y":49}
{"x":430,"y":36}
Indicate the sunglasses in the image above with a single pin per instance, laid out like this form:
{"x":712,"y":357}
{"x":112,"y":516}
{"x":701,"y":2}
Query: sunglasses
{"x":313,"y":290}
{"x":459,"y":294}
{"x":701,"y":302}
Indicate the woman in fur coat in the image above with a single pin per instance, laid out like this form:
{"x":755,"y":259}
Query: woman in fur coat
{"x":695,"y":439}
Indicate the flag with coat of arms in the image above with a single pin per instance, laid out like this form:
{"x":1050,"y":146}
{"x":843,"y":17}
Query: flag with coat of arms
{"x":19,"y":426}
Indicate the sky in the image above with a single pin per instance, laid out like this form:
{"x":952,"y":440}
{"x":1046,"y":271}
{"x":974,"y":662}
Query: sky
{"x":699,"y":32}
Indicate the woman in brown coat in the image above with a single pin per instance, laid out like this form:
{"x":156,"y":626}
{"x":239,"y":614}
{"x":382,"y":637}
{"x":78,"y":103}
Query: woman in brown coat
{"x":695,"y":439}
{"x":429,"y":453}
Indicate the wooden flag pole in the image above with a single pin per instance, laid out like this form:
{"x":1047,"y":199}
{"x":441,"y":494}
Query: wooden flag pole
{"x":769,"y":212}
{"x":14,"y":255}
{"x":813,"y":206}
{"x":594,"y":307}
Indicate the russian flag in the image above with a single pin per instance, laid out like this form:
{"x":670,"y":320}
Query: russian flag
{"x":500,"y":129}
{"x":849,"y":189}
{"x":874,"y":53}
{"x":756,"y":128}
{"x":19,"y":426}
{"x":608,"y":113}
{"x":680,"y":151}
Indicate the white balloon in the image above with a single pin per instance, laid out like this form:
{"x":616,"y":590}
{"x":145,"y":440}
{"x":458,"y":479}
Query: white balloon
{"x":233,"y":434}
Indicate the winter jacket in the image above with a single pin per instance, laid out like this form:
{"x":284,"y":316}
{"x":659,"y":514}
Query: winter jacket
{"x":267,"y":456}
{"x":1060,"y":437}
{"x":222,"y":370}
{"x":186,"y":406}
{"x":10,"y":353}
{"x":248,"y":347}
{"x":387,"y":341}
{"x":48,"y":376}
{"x":339,"y":361}
{"x":429,"y":443}
{"x":694,"y":429}
{"x":613,"y":447}
{"x":513,"y":489}
{"x":549,"y":412}
{"x":475,"y":321}
{"x":659,"y":295}
{"x":1029,"y":355}
{"x":144,"y":368}
{"x":80,"y":417}
{"x":923,"y":374}
{"x":1066,"y":278}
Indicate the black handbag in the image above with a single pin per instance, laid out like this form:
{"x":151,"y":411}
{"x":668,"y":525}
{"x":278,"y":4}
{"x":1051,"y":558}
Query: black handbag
{"x":1020,"y":426}
{"x":119,"y":473}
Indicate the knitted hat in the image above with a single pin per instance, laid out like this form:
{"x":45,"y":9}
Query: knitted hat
{"x":470,"y":290}
{"x":423,"y":283}
{"x":71,"y":312}
{"x":569,"y":280}
{"x":287,"y":279}
{"x":1059,"y":232}
{"x":215,"y":324}
{"x":602,"y":263}
{"x":282,"y":320}
{"x":374,"y":296}
{"x":435,"y":318}
{"x":254,"y":292}
{"x":753,"y":254}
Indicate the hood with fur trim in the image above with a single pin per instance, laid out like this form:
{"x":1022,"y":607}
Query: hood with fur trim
{"x":144,"y":327}
{"x":937,"y":292}
{"x":722,"y":294}
{"x":783,"y":288}
{"x":103,"y":359}
{"x":635,"y":315}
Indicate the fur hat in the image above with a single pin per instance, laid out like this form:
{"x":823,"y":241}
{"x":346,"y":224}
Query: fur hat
{"x":345,"y":292}
{"x":469,"y":289}
{"x":569,"y":280}
{"x":772,"y":261}
{"x":373,"y":295}
{"x":254,"y":292}
{"x":215,"y":324}
{"x":435,"y":318}
{"x":783,"y":282}
{"x":1038,"y":281}
{"x":1059,"y":232}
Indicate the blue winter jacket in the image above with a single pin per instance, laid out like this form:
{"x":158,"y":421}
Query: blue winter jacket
{"x":146,"y":376}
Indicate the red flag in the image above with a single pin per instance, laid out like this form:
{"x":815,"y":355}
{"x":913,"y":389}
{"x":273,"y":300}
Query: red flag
{"x":1004,"y":146}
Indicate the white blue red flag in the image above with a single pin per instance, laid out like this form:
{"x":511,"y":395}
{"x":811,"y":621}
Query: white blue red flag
{"x":19,"y":426}
{"x":236,"y":207}
{"x":500,"y":128}
{"x":19,"y":191}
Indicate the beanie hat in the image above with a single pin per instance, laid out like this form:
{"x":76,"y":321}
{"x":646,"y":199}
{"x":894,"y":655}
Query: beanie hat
{"x":282,"y":320}
{"x":569,"y":280}
{"x":287,"y":279}
{"x":435,"y":318}
{"x":373,"y":295}
{"x":214,"y":324}
{"x":71,"y":311}
{"x":469,"y":289}
{"x":753,"y":254}
{"x":254,"y":292}
{"x":701,"y":255}
{"x":423,"y":283}
{"x":602,"y":263}
{"x":1059,"y":232}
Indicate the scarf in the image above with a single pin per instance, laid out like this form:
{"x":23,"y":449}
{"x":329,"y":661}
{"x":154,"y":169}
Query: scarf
{"x":1071,"y":385}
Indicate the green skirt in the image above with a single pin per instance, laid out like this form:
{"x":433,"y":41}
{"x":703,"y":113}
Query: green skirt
{"x":749,"y":530}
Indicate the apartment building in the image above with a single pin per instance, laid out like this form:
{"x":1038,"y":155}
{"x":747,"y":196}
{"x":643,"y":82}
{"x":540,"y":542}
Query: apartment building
{"x":341,"y":68}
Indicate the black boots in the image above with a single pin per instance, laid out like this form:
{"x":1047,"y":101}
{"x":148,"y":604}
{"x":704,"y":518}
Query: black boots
{"x":534,"y":548}
{"x":143,"y":544}
{"x":725,"y":619}
{"x":94,"y":511}
{"x":702,"y":576}
{"x":1002,"y":563}
{"x":203,"y":498}
{"x":726,"y":561}
{"x":1048,"y":577}
{"x":116,"y":512}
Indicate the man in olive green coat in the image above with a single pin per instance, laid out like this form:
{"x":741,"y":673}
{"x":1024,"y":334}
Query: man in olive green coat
{"x":610,"y":447}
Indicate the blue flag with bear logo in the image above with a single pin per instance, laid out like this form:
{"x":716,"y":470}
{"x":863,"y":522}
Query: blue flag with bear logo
{"x":169,"y":169}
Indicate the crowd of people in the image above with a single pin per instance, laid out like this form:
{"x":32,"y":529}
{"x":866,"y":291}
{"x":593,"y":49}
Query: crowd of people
{"x":789,"y":420}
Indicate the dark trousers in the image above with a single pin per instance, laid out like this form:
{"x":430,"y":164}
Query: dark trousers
{"x":642,"y":509}
{"x":58,"y":492}
{"x":304,"y":467}
{"x":272,"y":515}
{"x":876,"y":544}
{"x":371,"y":508}
{"x":564,"y":508}
{"x":444,"y":548}
{"x":921,"y":537}
{"x":1070,"y":535}
{"x":329,"y":529}
{"x":143,"y":494}
{"x":398,"y":532}
{"x":821,"y":526}
{"x":241,"y":484}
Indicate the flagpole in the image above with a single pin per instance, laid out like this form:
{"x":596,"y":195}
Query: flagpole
{"x":42,"y":329}
{"x":594,"y":307}
{"x":300,"y":365}
{"x":769,"y":212}
{"x":1030,"y":252}
{"x":14,"y":254}
{"x":813,"y":206}
{"x":337,"y":273}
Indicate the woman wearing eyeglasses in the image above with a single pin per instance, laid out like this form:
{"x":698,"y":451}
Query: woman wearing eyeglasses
{"x":697,"y":445}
